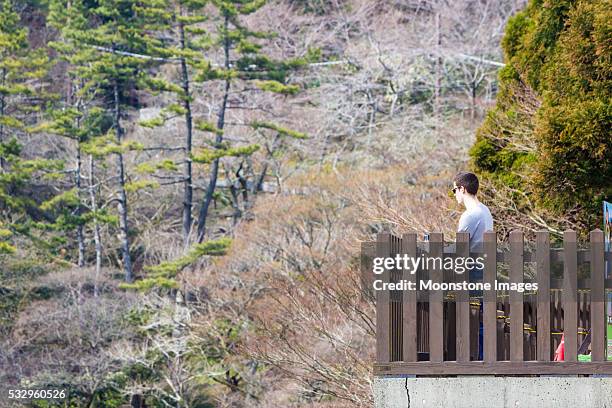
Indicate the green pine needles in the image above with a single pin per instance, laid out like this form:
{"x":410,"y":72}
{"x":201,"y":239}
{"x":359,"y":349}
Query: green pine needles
{"x":548,"y":136}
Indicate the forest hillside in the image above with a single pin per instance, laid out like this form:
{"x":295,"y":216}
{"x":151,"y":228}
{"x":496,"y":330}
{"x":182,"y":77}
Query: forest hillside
{"x":185,"y":184}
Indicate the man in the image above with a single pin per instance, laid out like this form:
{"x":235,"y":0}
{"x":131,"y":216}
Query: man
{"x":476,"y":219}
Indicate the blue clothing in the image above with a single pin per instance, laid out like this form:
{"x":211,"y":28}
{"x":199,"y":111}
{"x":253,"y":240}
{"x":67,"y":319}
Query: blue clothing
{"x":476,"y":275}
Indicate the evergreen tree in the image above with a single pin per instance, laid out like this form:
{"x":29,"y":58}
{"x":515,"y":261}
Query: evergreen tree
{"x":164,"y":274}
{"x":243,"y":62}
{"x":548,"y":136}
{"x":79,"y":118}
{"x":189,"y":44}
{"x":76,"y":120}
{"x":108,"y":40}
{"x":22,"y":71}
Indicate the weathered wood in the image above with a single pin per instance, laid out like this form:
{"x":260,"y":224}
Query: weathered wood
{"x":463,"y":302}
{"x":570,"y":298}
{"x":409,"y":331}
{"x":383,"y":247}
{"x":543,"y":310}
{"x":583,"y":284}
{"x":598,"y":323}
{"x":490,"y":299}
{"x":395,"y":306}
{"x":496,"y":368}
{"x":436,"y":322}
{"x":556,"y":255}
{"x":409,"y":300}
{"x":516,"y":298}
{"x":368,"y":252}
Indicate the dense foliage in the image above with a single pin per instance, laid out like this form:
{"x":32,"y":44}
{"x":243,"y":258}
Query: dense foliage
{"x":549,"y":133}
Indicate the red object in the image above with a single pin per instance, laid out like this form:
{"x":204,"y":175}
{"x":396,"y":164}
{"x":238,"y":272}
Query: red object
{"x":560,"y":352}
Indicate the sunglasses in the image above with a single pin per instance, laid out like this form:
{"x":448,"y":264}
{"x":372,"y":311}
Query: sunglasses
{"x":454,"y":190}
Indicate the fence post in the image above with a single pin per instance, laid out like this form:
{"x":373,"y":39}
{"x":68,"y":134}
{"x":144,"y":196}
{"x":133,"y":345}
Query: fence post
{"x":409,"y":301}
{"x":463,"y":302}
{"x":436,"y":315}
{"x":516,"y":298}
{"x":543,"y":310}
{"x":395,"y":306}
{"x":368,"y":252}
{"x":570,"y":307}
{"x":598,"y":293}
{"x":383,"y":248}
{"x":490,"y":298}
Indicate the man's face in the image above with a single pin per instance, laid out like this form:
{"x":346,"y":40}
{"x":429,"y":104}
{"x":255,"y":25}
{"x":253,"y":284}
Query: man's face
{"x":459,"y":192}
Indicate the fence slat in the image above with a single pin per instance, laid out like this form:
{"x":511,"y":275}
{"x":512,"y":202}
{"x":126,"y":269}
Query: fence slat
{"x":368,"y":252}
{"x":402,"y":317}
{"x":490,"y":299}
{"x":570,"y":298}
{"x":409,"y":300}
{"x":463,"y":302}
{"x":383,"y":248}
{"x":394,"y":305}
{"x":436,"y":316}
{"x":598,"y":323}
{"x":543,"y":310}
{"x":516,"y":298}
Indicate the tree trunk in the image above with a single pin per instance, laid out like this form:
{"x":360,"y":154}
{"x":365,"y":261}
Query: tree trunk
{"x":2,"y":108}
{"x":187,"y":171}
{"x":258,"y":186}
{"x":474,"y":87}
{"x":233,"y":191}
{"x":137,"y":401}
{"x":80,"y":227}
{"x":77,"y":182}
{"x":122,"y":199}
{"x":212,"y":182}
{"x":2,"y":104}
{"x":96,"y":225}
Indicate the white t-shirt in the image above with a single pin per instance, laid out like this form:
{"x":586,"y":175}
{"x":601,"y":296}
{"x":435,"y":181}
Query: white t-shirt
{"x":476,"y":221}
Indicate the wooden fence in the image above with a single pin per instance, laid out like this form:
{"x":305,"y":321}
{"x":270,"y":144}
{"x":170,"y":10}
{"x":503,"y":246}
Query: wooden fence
{"x":435,"y":332}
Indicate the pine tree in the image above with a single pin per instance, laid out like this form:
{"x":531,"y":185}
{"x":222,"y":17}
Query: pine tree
{"x":22,"y":72}
{"x":78,"y":118}
{"x":107,"y":41}
{"x":181,"y":22}
{"x":76,"y":208}
{"x":164,"y":274}
{"x":187,"y":49}
{"x":243,"y":62}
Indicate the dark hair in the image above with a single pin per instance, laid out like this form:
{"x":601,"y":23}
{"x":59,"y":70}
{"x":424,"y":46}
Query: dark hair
{"x":467,"y":180}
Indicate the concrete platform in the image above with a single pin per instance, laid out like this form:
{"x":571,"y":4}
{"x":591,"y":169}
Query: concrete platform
{"x":493,"y":392}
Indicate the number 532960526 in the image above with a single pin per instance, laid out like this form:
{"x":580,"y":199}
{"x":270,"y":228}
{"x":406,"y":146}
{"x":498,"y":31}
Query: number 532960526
{"x":37,"y":394}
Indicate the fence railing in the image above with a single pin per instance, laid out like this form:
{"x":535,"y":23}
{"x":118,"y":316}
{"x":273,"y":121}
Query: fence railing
{"x":436,"y":332}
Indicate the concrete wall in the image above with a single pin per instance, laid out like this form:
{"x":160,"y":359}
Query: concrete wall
{"x":493,"y":392}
